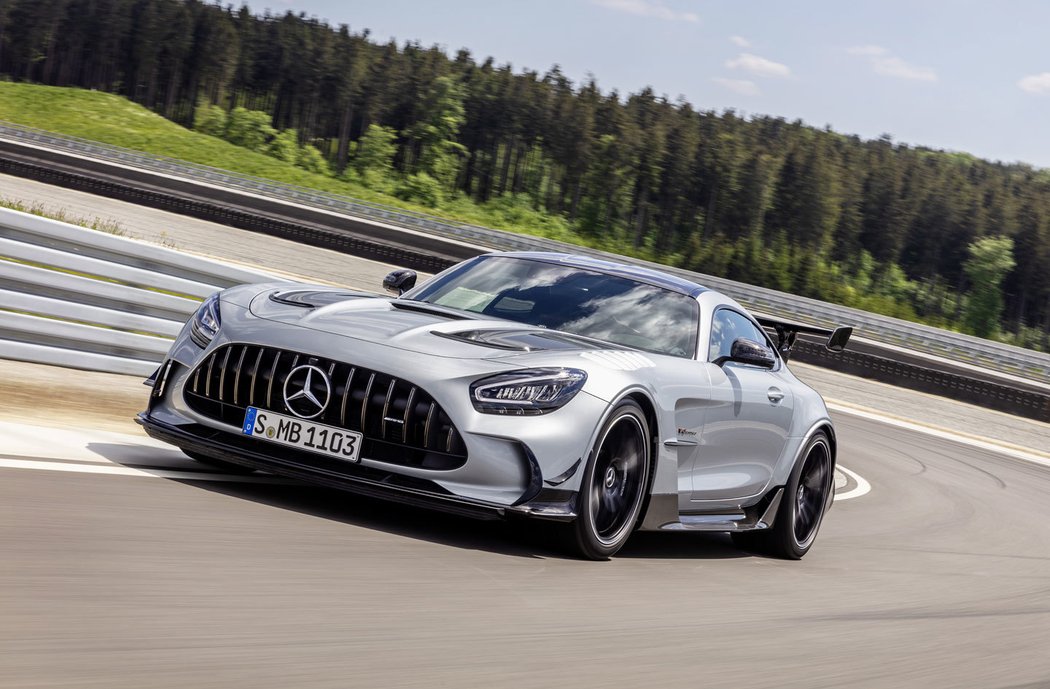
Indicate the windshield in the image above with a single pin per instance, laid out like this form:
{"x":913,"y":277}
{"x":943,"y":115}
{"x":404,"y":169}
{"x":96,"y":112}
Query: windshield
{"x":605,"y":307}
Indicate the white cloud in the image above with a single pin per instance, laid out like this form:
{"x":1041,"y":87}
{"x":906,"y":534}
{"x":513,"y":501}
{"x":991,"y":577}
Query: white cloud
{"x":740,"y":41}
{"x":741,"y":87}
{"x":895,"y":67}
{"x":869,"y":50}
{"x":1035,"y":83}
{"x":759,"y":66}
{"x":882,"y":62}
{"x":648,"y":8}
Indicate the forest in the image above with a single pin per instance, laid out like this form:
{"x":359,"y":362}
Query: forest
{"x":933,"y":236}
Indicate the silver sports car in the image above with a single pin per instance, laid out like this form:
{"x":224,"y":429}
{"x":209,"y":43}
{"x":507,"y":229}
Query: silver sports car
{"x":601,"y":397}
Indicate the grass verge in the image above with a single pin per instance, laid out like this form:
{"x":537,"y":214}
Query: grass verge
{"x":111,"y":119}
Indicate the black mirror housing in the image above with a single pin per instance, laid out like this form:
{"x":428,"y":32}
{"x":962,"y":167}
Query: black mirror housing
{"x":745,"y":351}
{"x":399,"y":281}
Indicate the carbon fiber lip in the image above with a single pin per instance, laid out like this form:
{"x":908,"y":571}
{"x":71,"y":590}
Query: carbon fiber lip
{"x":222,"y":445}
{"x":542,"y":504}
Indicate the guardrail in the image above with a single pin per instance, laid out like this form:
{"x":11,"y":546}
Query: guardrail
{"x":81,"y":298}
{"x":951,"y":346}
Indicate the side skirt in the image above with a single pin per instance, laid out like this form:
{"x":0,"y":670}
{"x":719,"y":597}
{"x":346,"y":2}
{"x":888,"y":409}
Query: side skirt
{"x":758,"y":516}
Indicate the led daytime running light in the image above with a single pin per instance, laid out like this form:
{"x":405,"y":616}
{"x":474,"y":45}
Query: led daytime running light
{"x":533,"y":391}
{"x":206,"y":322}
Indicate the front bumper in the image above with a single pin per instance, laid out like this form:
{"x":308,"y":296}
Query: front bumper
{"x":539,"y":501}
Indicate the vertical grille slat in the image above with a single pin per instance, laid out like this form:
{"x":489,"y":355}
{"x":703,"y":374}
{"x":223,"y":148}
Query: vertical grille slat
{"x":386,"y":405}
{"x":426,"y":428}
{"x":273,"y":374}
{"x":366,"y":400}
{"x":400,"y":422}
{"x":331,"y":414}
{"x":282,"y":377}
{"x":255,"y":374}
{"x":207,"y":381}
{"x":346,"y":396}
{"x":237,"y":375}
{"x":222,"y":373}
{"x":406,"y":428}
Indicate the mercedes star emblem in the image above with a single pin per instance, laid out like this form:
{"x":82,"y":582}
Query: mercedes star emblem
{"x":312,"y":391}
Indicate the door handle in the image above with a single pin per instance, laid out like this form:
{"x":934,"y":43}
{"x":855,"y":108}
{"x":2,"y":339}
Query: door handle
{"x":774,"y":395}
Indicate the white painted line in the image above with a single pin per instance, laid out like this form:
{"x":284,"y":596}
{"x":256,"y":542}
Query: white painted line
{"x":129,"y":471}
{"x":944,"y":434}
{"x":862,"y":487}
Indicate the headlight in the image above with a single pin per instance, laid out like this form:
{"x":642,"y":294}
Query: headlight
{"x":205,"y":323}
{"x":529,"y":391}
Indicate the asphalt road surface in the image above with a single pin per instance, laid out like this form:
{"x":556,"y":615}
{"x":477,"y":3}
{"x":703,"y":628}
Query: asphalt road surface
{"x":120,"y":568}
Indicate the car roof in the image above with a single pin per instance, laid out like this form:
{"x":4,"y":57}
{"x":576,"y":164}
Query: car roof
{"x":646,"y":275}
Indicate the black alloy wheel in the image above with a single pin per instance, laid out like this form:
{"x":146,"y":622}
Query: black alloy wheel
{"x":614,"y":484}
{"x":802,"y":505}
{"x":811,"y":494}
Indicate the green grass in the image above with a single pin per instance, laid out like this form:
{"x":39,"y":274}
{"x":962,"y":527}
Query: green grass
{"x":107,"y":226}
{"x":114,"y":120}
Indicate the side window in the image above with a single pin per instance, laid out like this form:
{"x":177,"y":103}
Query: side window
{"x":727,"y":326}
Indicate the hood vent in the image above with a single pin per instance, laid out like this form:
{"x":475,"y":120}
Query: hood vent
{"x":524,"y":340}
{"x":312,"y":298}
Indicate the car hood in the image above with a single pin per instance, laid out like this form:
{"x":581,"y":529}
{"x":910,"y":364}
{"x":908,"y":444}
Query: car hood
{"x":411,"y":325}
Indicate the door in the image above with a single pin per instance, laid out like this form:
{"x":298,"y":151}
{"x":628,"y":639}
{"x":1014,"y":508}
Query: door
{"x":749,"y":418}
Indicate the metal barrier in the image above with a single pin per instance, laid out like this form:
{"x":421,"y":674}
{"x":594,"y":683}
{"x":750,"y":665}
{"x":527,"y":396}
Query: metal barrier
{"x":81,"y":298}
{"x":983,"y":393}
{"x":950,"y":345}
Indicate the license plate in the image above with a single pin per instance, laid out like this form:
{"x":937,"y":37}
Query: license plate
{"x":300,"y":433}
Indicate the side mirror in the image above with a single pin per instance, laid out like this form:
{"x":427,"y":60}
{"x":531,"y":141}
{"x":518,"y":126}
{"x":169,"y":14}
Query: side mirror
{"x":745,"y":351}
{"x":399,"y":281}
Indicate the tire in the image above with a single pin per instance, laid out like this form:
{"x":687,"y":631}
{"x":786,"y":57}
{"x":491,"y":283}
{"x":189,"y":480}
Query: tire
{"x":802,"y":506}
{"x":614,"y":485}
{"x":228,"y":467}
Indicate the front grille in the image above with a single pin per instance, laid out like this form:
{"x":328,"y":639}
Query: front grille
{"x":400,"y":422}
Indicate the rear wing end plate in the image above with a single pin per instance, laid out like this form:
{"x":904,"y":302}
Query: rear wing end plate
{"x":788,"y":331}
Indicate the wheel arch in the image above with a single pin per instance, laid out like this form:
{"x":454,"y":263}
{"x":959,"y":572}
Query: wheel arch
{"x":645,"y":402}
{"x":791,"y":459}
{"x":824,"y":426}
{"x":829,"y":431}
{"x":649,"y":409}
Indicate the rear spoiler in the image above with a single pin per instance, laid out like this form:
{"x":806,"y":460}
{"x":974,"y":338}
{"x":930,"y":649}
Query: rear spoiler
{"x":787,"y":332}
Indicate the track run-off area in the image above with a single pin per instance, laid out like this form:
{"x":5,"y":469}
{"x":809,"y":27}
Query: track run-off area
{"x":123,"y":564}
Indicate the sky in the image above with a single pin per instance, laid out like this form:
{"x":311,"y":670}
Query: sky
{"x":958,"y":75}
